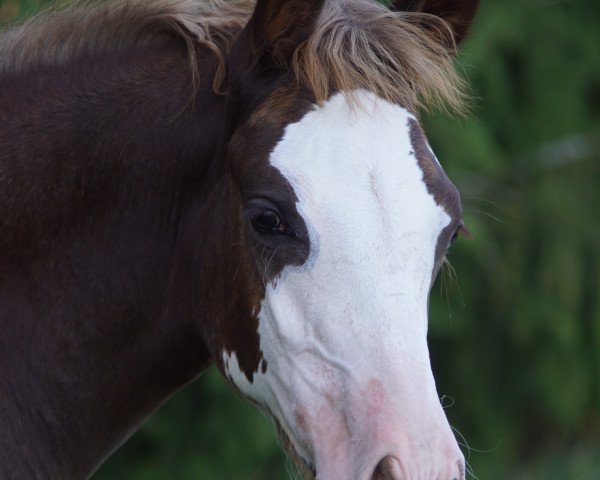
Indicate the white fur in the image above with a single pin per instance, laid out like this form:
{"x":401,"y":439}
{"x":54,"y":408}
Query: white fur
{"x":345,"y":334}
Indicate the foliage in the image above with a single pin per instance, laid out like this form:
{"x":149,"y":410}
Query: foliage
{"x":521,"y":351}
{"x":515,"y":329}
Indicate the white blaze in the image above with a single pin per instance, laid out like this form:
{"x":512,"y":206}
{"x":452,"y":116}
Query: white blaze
{"x":345,"y":333}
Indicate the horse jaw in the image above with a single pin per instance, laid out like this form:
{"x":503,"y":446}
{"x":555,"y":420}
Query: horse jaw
{"x":349,"y":379}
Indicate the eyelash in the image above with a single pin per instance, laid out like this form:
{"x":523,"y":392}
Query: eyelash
{"x":460,"y":230}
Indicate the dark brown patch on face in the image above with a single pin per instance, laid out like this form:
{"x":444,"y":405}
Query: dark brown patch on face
{"x":227,"y":280}
{"x":249,"y":158}
{"x":257,"y":186}
{"x":439,"y":185}
{"x":262,"y":100}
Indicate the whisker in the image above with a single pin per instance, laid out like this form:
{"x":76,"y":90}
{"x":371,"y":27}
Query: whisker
{"x":469,"y":470}
{"x":248,"y":253}
{"x":454,"y":276}
{"x":480,"y":199}
{"x":267,"y":266}
{"x":445,"y":289}
{"x":465,"y":444}
{"x":488,"y":214}
{"x":444,"y":397}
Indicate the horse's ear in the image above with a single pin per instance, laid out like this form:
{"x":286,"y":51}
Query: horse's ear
{"x":458,"y":14}
{"x":275,"y":30}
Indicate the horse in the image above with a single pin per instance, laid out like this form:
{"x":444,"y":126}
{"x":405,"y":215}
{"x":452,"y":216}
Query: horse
{"x":240,"y":183}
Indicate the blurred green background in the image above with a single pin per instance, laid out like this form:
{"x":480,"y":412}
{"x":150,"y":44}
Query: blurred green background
{"x":515,"y":327}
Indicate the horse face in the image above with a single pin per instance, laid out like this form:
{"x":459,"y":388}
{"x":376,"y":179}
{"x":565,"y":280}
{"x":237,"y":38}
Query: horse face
{"x":347,"y":221}
{"x":347,"y":217}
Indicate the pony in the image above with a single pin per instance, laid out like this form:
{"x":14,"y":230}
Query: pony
{"x":243,"y":183}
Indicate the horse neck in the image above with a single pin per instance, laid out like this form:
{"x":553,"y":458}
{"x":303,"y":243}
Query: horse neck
{"x":101,"y":161}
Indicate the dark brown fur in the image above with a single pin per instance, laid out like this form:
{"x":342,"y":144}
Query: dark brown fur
{"x":439,"y":185}
{"x":127,"y":263}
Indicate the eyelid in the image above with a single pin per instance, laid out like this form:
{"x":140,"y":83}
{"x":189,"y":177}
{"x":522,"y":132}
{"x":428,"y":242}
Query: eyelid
{"x":461,"y":230}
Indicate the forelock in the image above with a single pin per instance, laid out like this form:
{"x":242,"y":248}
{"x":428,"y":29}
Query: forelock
{"x":403,"y":57}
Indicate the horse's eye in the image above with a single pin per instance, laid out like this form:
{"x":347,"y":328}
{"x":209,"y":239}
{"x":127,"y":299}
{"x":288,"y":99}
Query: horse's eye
{"x":267,"y":221}
{"x":460,"y":230}
{"x":455,"y":236}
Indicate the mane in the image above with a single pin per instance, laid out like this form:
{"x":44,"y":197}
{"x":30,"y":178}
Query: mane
{"x":406,"y":58}
{"x":62,"y":33}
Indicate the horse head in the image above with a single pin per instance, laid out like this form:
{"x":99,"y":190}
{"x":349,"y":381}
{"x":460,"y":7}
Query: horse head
{"x":346,"y":216}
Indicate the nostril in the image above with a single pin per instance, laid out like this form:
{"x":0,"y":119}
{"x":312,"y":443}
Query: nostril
{"x":388,"y":468}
